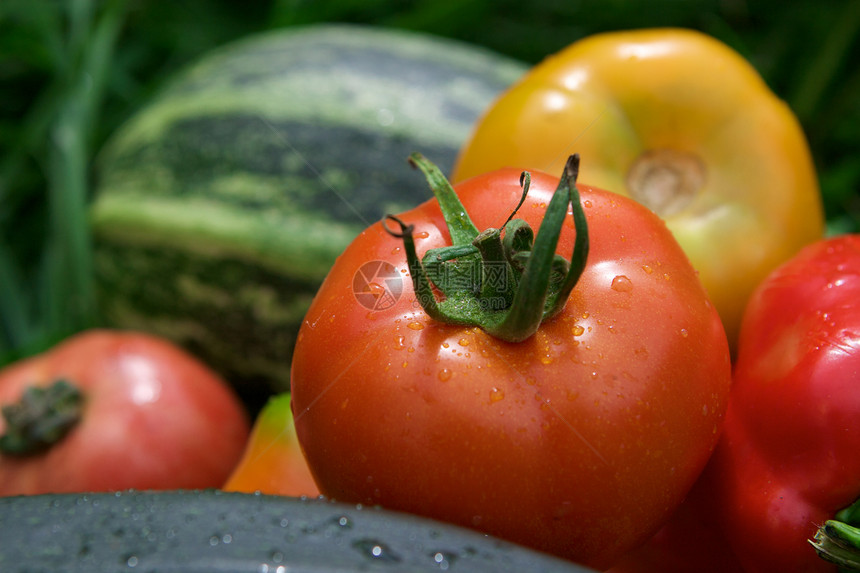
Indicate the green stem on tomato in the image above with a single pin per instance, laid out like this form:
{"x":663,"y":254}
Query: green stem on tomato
{"x":460,"y":226}
{"x":498,"y":280}
{"x":420,"y":282}
{"x":838,"y":540}
{"x":507,"y":285}
{"x":41,"y":418}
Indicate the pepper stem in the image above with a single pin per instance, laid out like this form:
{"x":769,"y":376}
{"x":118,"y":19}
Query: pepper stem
{"x":507,"y":281}
{"x":42,"y":417}
{"x":838,"y":540}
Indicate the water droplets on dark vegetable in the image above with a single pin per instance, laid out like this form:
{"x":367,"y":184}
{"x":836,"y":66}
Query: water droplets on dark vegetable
{"x":376,"y":550}
{"x":443,"y":559}
{"x":344,"y":522}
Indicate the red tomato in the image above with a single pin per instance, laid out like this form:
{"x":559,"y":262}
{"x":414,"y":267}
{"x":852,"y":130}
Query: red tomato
{"x":152,"y":418}
{"x":578,"y":441}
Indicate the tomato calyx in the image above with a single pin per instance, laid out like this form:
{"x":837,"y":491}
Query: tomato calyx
{"x":506,"y":281}
{"x":41,"y":418}
{"x":838,"y":540}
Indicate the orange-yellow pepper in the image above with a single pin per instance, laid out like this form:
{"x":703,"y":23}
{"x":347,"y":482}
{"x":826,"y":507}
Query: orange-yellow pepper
{"x":273,"y":462}
{"x":683,"y":124}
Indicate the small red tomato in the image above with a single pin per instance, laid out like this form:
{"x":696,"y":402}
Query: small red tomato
{"x":577,"y":433}
{"x":107,"y":411}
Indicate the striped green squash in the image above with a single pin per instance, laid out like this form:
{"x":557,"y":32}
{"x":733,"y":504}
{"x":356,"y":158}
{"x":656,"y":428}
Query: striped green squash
{"x":221,"y":205}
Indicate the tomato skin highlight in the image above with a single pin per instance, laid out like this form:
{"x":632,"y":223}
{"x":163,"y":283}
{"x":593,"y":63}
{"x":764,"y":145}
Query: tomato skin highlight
{"x":682,"y":123}
{"x":153,"y":418}
{"x":579,"y":441}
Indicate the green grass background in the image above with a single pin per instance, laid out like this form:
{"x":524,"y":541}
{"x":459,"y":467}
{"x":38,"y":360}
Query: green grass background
{"x":72,"y":70}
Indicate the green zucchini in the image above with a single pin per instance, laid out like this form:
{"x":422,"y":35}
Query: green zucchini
{"x":222,"y":204}
{"x":216,"y":532}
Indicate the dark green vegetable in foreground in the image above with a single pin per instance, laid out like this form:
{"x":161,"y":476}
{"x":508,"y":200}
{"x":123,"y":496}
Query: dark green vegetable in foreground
{"x":211,"y":531}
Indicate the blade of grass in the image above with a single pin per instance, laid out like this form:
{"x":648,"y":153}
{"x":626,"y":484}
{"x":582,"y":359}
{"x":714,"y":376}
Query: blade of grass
{"x":39,"y":308}
{"x":14,"y":320}
{"x":70,"y":304}
{"x":820,"y":74}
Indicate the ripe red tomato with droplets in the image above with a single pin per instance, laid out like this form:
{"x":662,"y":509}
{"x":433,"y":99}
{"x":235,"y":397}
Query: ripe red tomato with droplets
{"x":579,"y":440}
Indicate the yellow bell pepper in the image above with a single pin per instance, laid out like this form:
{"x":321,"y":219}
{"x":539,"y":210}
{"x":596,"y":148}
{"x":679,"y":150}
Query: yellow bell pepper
{"x":683,"y":124}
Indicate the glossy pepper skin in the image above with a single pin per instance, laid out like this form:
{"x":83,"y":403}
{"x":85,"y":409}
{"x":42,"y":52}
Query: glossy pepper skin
{"x":787,"y":459}
{"x":683,"y":124}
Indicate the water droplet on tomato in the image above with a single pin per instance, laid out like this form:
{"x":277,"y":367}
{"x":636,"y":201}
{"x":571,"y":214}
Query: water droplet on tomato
{"x":684,"y":332}
{"x":622,"y":284}
{"x":578,"y":330}
{"x":463,"y":342}
{"x":444,"y":375}
{"x":496,"y":394}
{"x":415,"y":325}
{"x":647,"y":269}
{"x":422,"y":235}
{"x":399,"y":342}
{"x":376,"y":289}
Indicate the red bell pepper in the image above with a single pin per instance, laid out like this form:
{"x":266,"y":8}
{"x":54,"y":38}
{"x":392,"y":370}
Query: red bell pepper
{"x":787,"y":460}
{"x":784,"y":480}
